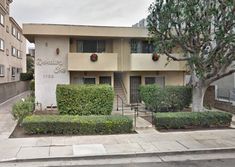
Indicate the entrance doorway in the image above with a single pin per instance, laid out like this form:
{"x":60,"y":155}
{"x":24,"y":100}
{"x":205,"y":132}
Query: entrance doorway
{"x":135,"y":82}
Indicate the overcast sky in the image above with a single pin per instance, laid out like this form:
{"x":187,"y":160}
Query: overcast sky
{"x":84,"y":12}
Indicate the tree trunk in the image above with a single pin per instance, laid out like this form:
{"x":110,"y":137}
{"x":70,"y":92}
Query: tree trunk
{"x":198,"y":97}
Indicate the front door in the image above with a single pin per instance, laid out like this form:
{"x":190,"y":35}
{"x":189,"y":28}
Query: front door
{"x":135,"y":82}
{"x":106,"y":80}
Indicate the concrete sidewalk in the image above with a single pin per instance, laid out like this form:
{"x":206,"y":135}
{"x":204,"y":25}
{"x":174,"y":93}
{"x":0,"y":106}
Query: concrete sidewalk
{"x":145,"y":141}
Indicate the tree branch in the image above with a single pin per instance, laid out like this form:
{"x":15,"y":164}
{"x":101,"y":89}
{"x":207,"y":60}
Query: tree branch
{"x":221,"y":76}
{"x":175,"y":58}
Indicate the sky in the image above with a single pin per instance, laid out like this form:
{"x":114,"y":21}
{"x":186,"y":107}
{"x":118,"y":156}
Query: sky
{"x":80,"y":12}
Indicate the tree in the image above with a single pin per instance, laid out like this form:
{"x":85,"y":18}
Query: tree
{"x":30,"y":64}
{"x":204,"y":31}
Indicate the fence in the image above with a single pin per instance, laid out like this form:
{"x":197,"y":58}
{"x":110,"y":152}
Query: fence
{"x":11,"y":89}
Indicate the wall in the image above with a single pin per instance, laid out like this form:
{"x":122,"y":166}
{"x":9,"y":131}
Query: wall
{"x":9,"y":90}
{"x":50,"y":68}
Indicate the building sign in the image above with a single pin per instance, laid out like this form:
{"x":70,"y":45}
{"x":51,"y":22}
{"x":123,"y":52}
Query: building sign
{"x":59,"y":68}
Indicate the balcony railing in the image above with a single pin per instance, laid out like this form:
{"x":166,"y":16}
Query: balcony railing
{"x":82,"y":62}
{"x":144,"y":62}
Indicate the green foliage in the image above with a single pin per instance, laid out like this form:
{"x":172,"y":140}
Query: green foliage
{"x":203,"y":30}
{"x":168,"y":99}
{"x":85,"y":99}
{"x":82,"y":125}
{"x":185,"y":120}
{"x":26,"y":76}
{"x":23,"y":108}
{"x":32,"y":85}
{"x":30,"y":64}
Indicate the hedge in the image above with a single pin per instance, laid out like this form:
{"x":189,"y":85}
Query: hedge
{"x":82,"y":125}
{"x":188,"y":120}
{"x":26,"y":76}
{"x":84,"y":99}
{"x":167,"y":99}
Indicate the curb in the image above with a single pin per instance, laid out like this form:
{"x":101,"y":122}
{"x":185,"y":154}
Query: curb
{"x":124,"y":155}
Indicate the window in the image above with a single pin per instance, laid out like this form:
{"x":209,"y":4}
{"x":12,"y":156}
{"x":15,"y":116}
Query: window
{"x":2,"y":70}
{"x":141,"y":46}
{"x":155,"y":80}
{"x":13,"y":51}
{"x":89,"y":80}
{"x":1,"y":19}
{"x":18,"y":35}
{"x":19,"y":54}
{"x":14,"y":31}
{"x":13,"y":71}
{"x":1,"y":45}
{"x":7,"y":29}
{"x":19,"y":70}
{"x":91,"y":46}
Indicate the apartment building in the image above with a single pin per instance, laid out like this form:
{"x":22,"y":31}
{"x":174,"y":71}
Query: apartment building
{"x":12,"y":46}
{"x":119,"y":56}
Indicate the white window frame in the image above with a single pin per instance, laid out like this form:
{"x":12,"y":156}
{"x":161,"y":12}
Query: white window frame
{"x":2,"y":70}
{"x":18,"y":54}
{"x":18,"y":35}
{"x":2,"y":44}
{"x":2,"y":20}
{"x":13,"y":31}
{"x":13,"y":51}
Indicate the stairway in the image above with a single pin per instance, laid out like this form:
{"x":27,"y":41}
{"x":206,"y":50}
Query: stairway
{"x":118,"y":89}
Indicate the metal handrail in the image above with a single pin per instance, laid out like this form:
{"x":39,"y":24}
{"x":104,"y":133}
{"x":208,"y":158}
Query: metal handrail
{"x":125,"y":90}
{"x":119,"y":97}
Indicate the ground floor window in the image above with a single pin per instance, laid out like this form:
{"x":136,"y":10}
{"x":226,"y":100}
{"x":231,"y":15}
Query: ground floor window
{"x":89,"y":80}
{"x":155,"y":80}
{"x":106,"y":80}
{"x":2,"y":70}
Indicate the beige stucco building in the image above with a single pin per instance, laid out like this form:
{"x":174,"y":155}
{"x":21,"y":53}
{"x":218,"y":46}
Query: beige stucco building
{"x":124,"y":59}
{"x":12,"y":46}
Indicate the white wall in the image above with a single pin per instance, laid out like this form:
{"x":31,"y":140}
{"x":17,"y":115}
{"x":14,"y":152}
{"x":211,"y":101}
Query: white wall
{"x":50,"y":68}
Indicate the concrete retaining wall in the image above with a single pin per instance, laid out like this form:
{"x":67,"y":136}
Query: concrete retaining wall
{"x":9,"y":90}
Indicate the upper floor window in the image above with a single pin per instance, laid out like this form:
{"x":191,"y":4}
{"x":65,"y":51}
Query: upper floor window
{"x":1,"y":19}
{"x":2,"y":70}
{"x":91,"y":46}
{"x":19,"y":54}
{"x":14,"y":51}
{"x":14,"y":31}
{"x":18,"y":35}
{"x":1,"y":45}
{"x":138,"y":46}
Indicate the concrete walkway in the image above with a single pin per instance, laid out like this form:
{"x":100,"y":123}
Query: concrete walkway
{"x":145,"y":141}
{"x":7,"y":124}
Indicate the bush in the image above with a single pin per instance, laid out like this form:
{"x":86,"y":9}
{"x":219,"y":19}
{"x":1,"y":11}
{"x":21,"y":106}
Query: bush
{"x":83,"y":125}
{"x":85,"y":99}
{"x":32,"y":85}
{"x":22,"y":109}
{"x":186,"y":120}
{"x":26,"y":76}
{"x":168,"y":99}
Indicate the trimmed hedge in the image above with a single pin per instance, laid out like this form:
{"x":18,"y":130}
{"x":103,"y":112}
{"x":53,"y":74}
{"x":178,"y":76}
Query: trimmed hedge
{"x":167,"y":99}
{"x":26,"y":76}
{"x":84,"y":99}
{"x":82,"y":125}
{"x":188,"y":120}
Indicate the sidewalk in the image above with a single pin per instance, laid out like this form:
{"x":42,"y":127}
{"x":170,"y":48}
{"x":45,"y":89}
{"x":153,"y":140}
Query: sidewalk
{"x":145,"y":141}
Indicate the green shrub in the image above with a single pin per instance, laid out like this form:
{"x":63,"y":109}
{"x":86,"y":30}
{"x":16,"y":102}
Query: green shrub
{"x":167,"y":99}
{"x":26,"y":76}
{"x":32,"y":88}
{"x":83,"y":125}
{"x":23,"y":108}
{"x":85,"y":99}
{"x":185,"y":120}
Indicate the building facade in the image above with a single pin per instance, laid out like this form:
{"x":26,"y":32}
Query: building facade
{"x":119,"y":56}
{"x":12,"y":46}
